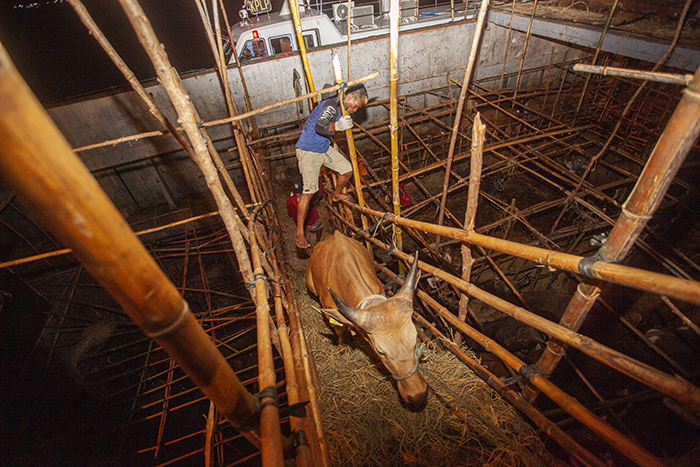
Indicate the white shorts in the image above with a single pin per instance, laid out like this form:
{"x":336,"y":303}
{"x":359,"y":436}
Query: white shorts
{"x":310,"y":166}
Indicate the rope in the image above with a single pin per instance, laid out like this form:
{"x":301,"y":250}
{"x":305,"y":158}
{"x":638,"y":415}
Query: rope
{"x":419,"y":352}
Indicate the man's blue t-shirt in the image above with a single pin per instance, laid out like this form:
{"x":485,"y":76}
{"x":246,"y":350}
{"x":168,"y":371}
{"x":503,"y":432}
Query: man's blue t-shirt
{"x":316,"y":134}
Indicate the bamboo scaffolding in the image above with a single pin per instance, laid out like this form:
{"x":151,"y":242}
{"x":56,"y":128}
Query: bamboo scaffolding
{"x":616,"y":439}
{"x":476,"y":42}
{"x":188,"y":117}
{"x":663,"y":164}
{"x":69,"y":201}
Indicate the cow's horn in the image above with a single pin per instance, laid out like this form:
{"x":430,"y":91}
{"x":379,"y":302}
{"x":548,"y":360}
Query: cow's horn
{"x":411,"y":281}
{"x":351,"y":313}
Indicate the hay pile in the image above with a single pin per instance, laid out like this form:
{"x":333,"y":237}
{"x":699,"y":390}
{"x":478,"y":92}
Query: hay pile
{"x":366,"y":425}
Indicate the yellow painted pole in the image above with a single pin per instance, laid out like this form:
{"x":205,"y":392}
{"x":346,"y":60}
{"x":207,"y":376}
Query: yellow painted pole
{"x":294,"y":6}
{"x":351,"y":142}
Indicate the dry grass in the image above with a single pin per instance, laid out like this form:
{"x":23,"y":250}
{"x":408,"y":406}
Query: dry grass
{"x":366,"y":425}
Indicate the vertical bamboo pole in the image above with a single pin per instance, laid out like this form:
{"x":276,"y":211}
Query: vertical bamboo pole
{"x":677,"y":139}
{"x":294,"y":6}
{"x":478,"y":132}
{"x":246,"y":96}
{"x":595,"y":58}
{"x":394,"y":115}
{"x":62,"y":193}
{"x":188,"y":118}
{"x":271,"y":436}
{"x":303,"y":452}
{"x":476,"y":41}
{"x":522,"y":57}
{"x":505,"y":51}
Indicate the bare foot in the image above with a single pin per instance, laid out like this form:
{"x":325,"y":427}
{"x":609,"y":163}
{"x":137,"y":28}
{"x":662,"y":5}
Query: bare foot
{"x":342,"y":196}
{"x":301,"y":242}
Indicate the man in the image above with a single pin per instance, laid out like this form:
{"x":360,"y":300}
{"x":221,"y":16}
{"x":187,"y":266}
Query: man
{"x":313,"y":221}
{"x":314,"y":150}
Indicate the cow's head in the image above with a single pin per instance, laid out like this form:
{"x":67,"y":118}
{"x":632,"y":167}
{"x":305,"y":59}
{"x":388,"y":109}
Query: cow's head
{"x":390,"y":330}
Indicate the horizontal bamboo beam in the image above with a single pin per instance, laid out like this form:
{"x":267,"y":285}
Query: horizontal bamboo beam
{"x":63,"y":194}
{"x":669,"y":78}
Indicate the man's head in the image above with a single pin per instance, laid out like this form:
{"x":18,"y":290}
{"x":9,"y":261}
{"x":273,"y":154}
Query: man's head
{"x":355,"y":97}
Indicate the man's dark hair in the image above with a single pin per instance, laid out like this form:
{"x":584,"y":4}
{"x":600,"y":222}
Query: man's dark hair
{"x":358,"y":91}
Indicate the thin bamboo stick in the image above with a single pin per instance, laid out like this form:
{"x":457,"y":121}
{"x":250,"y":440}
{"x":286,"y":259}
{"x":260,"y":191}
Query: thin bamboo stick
{"x":253,"y":124}
{"x":61,"y":191}
{"x":476,"y":42}
{"x":611,"y":13}
{"x":522,"y":56}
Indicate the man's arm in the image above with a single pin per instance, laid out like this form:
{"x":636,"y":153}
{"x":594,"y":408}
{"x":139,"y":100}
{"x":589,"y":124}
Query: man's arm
{"x":325,"y":124}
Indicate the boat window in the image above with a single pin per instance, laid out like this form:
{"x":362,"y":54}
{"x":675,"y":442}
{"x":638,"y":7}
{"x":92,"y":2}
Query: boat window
{"x":281,"y":44}
{"x":254,"y":48}
{"x":311,"y":39}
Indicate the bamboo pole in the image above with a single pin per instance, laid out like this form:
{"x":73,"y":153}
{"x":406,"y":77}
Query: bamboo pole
{"x":61,"y":192}
{"x":669,"y":153}
{"x":216,"y":47}
{"x":670,"y":78}
{"x":470,"y":213}
{"x":348,"y":133}
{"x":271,"y":436}
{"x":394,"y":114}
{"x":188,"y":118}
{"x":682,"y":289}
{"x":522,"y":56}
{"x":476,"y":42}
{"x":294,"y":6}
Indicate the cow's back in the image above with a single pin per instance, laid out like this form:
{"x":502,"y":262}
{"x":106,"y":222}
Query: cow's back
{"x":344,"y":265}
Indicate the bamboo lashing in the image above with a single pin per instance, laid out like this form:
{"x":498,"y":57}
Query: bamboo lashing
{"x":62,"y":193}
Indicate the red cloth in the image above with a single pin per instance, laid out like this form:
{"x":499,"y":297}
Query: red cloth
{"x":311,"y":216}
{"x":404,"y":199}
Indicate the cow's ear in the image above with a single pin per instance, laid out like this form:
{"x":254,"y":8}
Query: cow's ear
{"x":409,"y":285}
{"x":333,"y":314}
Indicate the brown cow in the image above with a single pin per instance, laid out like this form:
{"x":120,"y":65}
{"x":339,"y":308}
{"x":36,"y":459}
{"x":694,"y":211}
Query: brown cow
{"x":341,"y":273}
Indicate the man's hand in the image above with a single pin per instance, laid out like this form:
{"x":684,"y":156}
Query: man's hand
{"x":343,"y":123}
